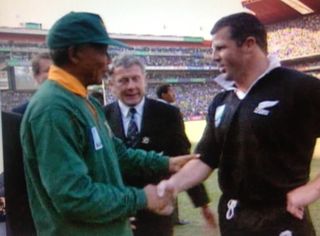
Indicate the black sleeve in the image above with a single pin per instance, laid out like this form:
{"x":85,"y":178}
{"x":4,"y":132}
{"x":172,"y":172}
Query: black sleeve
{"x":208,"y":146}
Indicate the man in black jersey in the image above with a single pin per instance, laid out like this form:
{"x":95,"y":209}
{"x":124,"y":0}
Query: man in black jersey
{"x":260,"y":135}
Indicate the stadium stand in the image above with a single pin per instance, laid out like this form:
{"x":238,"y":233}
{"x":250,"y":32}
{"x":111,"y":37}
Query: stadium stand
{"x":295,"y":38}
{"x":185,"y":63}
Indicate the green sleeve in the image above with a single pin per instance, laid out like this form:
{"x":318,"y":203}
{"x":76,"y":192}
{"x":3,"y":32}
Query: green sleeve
{"x":139,"y":162}
{"x":60,"y":140}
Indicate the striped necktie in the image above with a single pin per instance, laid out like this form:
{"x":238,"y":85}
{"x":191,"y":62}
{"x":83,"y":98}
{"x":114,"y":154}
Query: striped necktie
{"x":132,"y":132}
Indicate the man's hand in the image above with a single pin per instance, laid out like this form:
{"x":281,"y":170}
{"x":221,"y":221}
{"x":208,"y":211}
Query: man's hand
{"x":176,"y":163}
{"x":299,"y":198}
{"x":165,"y":186}
{"x":295,"y":203}
{"x":162,"y":205}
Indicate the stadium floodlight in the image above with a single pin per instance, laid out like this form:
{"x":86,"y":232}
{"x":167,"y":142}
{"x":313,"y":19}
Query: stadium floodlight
{"x":298,"y":6}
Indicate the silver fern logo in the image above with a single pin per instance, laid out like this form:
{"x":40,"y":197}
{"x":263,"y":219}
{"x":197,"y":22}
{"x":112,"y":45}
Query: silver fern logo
{"x":262,"y":108}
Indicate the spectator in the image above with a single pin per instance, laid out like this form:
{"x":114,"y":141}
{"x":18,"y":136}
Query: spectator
{"x":166,"y":94}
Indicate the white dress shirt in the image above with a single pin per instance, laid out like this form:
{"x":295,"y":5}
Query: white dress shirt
{"x":125,"y":114}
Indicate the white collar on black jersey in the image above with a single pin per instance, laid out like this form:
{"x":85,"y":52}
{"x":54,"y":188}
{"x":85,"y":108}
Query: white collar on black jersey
{"x":274,"y":62}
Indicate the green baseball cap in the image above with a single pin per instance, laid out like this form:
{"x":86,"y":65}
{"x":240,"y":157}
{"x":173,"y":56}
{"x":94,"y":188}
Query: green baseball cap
{"x":77,"y":28}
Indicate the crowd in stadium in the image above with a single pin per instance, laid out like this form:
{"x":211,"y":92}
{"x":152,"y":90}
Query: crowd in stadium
{"x":164,"y":50}
{"x":193,"y":99}
{"x":169,"y":56}
{"x":181,"y":75}
{"x":177,"y":61}
{"x":295,"y":38}
{"x":289,"y":39}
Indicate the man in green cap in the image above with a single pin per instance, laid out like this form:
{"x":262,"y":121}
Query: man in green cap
{"x":73,"y":162}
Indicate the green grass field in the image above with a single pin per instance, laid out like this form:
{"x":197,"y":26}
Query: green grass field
{"x":194,"y":131}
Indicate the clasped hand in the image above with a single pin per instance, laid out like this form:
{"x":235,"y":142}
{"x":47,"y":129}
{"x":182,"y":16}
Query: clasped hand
{"x":161,"y":198}
{"x":162,"y":205}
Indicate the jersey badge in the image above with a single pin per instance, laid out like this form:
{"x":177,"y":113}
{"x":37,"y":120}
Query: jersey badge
{"x":262,"y":108}
{"x":218,"y":115}
{"x":145,"y":140}
{"x":96,"y":138}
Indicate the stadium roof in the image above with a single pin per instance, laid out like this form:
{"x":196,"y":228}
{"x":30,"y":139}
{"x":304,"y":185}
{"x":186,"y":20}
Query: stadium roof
{"x":272,"y":11}
{"x":38,"y":36}
{"x":42,"y":32}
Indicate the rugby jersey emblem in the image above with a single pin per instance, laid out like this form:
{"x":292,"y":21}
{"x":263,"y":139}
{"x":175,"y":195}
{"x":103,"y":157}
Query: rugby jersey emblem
{"x":262,"y":108}
{"x":218,"y":115}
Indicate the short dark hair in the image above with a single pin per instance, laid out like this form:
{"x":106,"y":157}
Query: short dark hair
{"x":59,"y":56}
{"x":243,"y":25}
{"x":35,"y":63}
{"x":163,"y":88}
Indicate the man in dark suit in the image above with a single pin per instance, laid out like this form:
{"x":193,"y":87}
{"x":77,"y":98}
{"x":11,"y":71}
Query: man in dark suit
{"x":19,"y":220}
{"x":150,"y":125}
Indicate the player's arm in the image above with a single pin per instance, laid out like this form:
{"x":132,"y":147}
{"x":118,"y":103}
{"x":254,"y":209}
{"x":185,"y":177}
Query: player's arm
{"x":299,"y":198}
{"x":193,"y":173}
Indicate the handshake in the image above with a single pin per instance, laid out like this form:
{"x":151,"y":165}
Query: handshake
{"x":161,"y":198}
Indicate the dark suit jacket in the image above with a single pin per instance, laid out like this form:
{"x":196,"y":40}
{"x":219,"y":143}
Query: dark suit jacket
{"x":19,"y":220}
{"x":21,"y":108}
{"x":162,"y":130}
